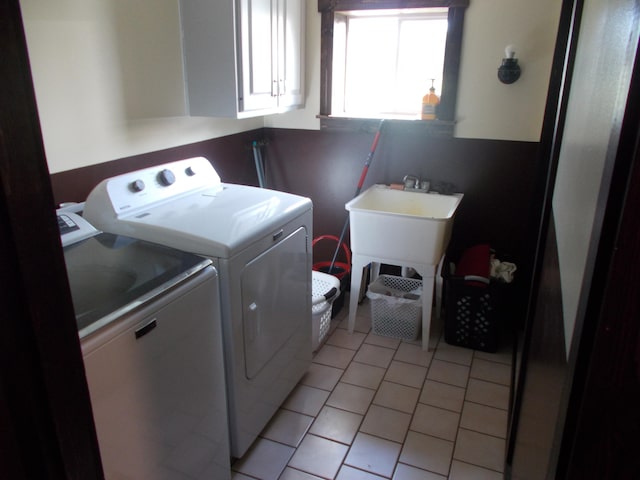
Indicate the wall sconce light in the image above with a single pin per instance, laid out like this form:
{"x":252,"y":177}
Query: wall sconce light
{"x":509,"y":71}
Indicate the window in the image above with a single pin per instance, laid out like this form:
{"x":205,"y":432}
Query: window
{"x":381,"y":76}
{"x":384,"y":61}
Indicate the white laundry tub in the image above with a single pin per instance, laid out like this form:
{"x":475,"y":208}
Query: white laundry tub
{"x":403,"y":225}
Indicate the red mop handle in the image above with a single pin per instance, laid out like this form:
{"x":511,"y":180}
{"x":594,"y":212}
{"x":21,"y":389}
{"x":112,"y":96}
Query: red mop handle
{"x":360,"y":183}
{"x":365,"y":170}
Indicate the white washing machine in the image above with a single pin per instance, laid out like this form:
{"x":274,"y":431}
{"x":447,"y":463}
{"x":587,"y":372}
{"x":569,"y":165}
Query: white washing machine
{"x":260,"y":242}
{"x":150,"y":330}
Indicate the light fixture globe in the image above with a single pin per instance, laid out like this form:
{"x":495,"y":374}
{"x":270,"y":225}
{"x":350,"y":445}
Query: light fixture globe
{"x":509,"y":71}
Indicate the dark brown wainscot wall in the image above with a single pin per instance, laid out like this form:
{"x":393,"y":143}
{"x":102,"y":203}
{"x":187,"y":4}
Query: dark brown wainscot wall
{"x":497,"y":177}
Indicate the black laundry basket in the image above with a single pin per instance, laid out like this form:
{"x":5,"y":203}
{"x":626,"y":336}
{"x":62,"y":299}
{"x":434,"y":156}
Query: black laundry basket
{"x":474,"y":310}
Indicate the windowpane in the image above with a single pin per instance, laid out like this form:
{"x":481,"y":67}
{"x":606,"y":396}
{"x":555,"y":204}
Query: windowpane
{"x":420,"y":59}
{"x":383,"y":64}
{"x":370,"y":64}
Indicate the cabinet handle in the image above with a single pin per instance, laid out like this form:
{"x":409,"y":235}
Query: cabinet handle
{"x":274,"y":88}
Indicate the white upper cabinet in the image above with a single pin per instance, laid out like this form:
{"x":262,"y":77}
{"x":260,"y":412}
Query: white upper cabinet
{"x":243,"y":58}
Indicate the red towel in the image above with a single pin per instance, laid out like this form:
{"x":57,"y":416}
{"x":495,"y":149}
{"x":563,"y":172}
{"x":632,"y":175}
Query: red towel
{"x":475,"y":260}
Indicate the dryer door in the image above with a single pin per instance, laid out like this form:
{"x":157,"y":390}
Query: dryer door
{"x":276,"y":299}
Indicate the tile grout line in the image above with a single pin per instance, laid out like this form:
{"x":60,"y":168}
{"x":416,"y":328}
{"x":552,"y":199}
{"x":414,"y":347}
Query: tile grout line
{"x":368,"y":407}
{"x":404,"y":441}
{"x":324,"y":404}
{"x":395,"y":350}
{"x":455,"y":441}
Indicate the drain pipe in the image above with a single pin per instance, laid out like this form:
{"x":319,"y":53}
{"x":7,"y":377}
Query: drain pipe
{"x":257,"y":157}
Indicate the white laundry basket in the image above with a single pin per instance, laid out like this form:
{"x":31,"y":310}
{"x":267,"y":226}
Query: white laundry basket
{"x":396,"y":306}
{"x":325,"y":289}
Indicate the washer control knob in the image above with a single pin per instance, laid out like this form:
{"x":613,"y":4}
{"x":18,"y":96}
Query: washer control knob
{"x":190,"y":171}
{"x":137,"y":186}
{"x":166,"y":177}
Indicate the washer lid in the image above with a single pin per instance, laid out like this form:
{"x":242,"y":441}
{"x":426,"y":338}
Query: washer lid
{"x":215,"y":222}
{"x":110,"y":275}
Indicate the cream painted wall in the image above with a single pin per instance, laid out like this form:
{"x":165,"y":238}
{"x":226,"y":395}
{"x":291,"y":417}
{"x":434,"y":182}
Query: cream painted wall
{"x":109,"y":83}
{"x":487,"y":108}
{"x":108,"y":80}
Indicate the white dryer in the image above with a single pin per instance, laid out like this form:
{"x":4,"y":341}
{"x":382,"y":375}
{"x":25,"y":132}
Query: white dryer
{"x":260,"y":243}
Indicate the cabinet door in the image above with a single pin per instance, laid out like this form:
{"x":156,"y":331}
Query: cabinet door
{"x":243,"y":58}
{"x":271,"y":50}
{"x":258,"y":51}
{"x":291,"y":14}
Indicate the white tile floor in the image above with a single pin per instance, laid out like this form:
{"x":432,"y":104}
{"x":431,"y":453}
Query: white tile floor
{"x":373,"y":407}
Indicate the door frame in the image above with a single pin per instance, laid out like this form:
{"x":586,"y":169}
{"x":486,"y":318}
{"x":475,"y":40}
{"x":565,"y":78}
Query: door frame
{"x":49,"y":430}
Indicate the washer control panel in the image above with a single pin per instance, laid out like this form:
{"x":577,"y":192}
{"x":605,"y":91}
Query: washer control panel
{"x":73,"y":228}
{"x":131,"y":191}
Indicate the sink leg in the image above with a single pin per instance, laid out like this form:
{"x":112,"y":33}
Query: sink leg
{"x":427,"y":301}
{"x":357,"y":264}
{"x":375,"y":271}
{"x":427,"y":272}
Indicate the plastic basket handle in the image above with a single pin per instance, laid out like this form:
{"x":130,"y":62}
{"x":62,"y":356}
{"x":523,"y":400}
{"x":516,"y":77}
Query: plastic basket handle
{"x":343,"y":245}
{"x":474,"y":278}
{"x":327,"y":296}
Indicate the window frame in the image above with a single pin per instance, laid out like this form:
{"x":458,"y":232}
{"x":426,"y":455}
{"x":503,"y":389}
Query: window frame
{"x":453,"y":48}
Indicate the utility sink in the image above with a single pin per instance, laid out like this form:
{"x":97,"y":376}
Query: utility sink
{"x":403,"y":225}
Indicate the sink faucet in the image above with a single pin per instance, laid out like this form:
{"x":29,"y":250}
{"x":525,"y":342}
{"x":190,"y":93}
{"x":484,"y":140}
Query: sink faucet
{"x":411,"y":181}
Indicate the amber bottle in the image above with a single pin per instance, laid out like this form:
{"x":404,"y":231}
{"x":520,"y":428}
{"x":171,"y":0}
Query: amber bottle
{"x":429,"y":103}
